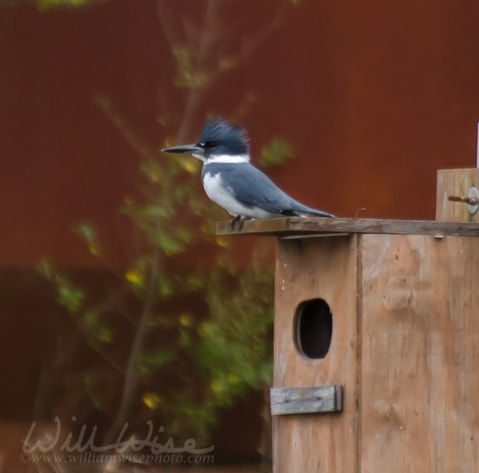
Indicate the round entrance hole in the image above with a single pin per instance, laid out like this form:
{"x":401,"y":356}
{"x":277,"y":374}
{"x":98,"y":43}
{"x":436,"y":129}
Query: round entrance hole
{"x":313,"y":328}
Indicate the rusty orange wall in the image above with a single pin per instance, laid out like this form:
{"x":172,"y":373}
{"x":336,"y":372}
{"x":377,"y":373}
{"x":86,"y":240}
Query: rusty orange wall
{"x":375,"y":96}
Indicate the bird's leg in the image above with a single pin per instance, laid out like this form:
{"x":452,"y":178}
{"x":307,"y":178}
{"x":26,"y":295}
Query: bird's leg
{"x":234,"y":221}
{"x":239,"y":219}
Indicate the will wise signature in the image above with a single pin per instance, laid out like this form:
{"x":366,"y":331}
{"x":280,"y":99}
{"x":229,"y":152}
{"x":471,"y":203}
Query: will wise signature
{"x":86,"y":441}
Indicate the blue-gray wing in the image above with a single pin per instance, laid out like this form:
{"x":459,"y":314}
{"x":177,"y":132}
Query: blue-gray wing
{"x":254,"y":189}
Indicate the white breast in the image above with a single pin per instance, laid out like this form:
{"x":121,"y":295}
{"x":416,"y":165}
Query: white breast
{"x":220,"y":194}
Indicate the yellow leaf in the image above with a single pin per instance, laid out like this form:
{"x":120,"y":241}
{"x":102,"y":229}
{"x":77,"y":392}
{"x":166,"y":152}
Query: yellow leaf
{"x":223,"y":242}
{"x":134,"y":276}
{"x":203,"y":330}
{"x":217,"y":386}
{"x":151,"y":400}
{"x":233,"y":378}
{"x":190,"y":165}
{"x":94,"y":248}
{"x":186,"y":320}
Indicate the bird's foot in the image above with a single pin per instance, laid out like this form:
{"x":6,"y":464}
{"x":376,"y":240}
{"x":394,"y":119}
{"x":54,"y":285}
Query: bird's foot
{"x":238,"y":221}
{"x":232,"y":223}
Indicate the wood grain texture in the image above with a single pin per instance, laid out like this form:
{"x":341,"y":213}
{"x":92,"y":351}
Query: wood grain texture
{"x":306,"y":400}
{"x":420,"y":354}
{"x":455,"y":182}
{"x":306,"y":269}
{"x":323,"y":226}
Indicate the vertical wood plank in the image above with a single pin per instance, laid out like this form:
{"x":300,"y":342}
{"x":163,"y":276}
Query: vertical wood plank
{"x":306,"y":269}
{"x":420,"y":354}
{"x":455,"y":182}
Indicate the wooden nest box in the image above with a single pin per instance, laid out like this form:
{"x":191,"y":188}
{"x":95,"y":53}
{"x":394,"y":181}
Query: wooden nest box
{"x":376,"y":358}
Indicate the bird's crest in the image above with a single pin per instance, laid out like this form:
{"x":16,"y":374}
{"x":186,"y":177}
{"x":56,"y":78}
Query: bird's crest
{"x":220,"y":130}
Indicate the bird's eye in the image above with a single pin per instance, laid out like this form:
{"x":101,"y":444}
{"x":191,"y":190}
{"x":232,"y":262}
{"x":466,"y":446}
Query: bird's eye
{"x":210,"y":144}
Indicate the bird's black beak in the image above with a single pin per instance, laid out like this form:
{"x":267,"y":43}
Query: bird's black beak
{"x":191,"y":149}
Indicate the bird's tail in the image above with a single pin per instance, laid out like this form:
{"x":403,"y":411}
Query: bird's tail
{"x":319,"y":213}
{"x":303,"y":211}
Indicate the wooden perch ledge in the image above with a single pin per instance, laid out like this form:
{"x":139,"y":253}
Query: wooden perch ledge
{"x":298,"y":226}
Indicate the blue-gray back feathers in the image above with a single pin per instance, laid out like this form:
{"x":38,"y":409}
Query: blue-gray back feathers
{"x":252,"y":188}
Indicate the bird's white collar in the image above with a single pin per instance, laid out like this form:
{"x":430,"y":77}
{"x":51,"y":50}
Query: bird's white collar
{"x":228,"y":158}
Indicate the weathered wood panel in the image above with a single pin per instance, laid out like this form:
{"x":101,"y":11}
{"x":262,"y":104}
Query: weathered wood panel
{"x":420,"y":354}
{"x":306,"y":269}
{"x":455,"y":182}
{"x":322,"y":226}
{"x":306,"y":400}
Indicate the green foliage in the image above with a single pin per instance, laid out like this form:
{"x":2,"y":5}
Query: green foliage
{"x":148,"y":362}
{"x":219,"y":350}
{"x":87,"y":232}
{"x":188,"y":76}
{"x":98,"y":329}
{"x":275,"y":152}
{"x":49,"y":4}
{"x":69,"y":295}
{"x":226,"y":342}
{"x":74,"y":299}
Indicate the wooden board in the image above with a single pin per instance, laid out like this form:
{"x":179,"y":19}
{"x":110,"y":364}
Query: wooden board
{"x":420,"y":354}
{"x":306,"y":400}
{"x":307,"y":269}
{"x":455,"y":182}
{"x":297,"y":226}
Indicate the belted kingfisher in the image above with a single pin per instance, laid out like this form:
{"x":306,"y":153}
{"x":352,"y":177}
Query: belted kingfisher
{"x":232,"y":182}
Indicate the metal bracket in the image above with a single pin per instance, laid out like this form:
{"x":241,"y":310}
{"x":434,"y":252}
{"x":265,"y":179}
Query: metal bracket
{"x":472,"y":200}
{"x":473,"y":195}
